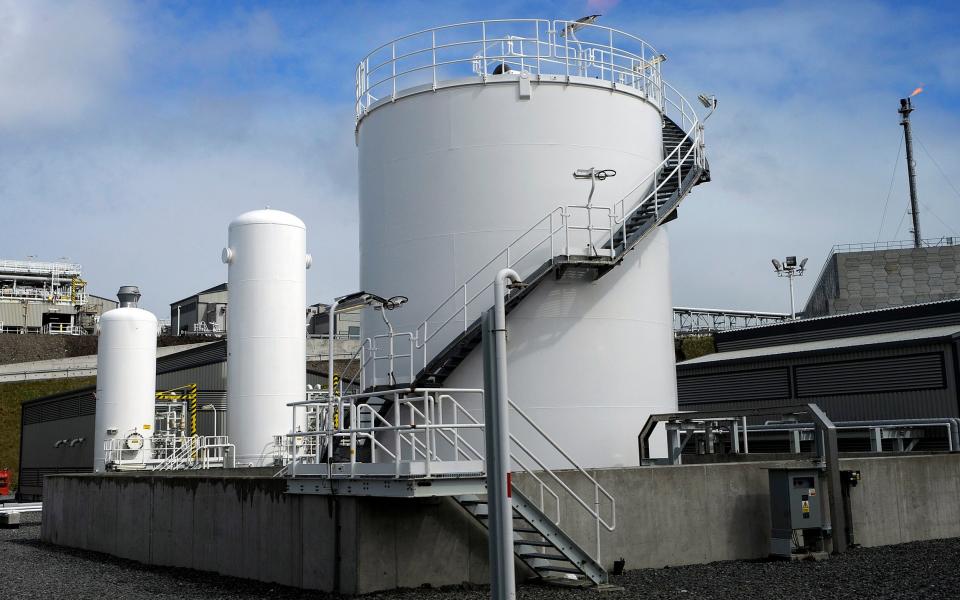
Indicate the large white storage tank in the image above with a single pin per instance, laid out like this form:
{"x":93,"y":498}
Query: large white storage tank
{"x":266,"y":346}
{"x":452,"y":171}
{"x":126,"y":379}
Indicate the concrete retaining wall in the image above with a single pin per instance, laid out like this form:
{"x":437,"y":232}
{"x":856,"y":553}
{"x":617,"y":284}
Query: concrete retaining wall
{"x":702,"y":513}
{"x":248,"y":527}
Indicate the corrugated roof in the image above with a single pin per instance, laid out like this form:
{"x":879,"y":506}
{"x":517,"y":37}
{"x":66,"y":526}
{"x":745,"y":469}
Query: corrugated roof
{"x":830,"y":344}
{"x":901,"y":318}
{"x":848,"y":315}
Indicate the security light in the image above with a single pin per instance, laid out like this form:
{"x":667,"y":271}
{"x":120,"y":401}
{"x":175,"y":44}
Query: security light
{"x":790,"y":269}
{"x":656,"y":60}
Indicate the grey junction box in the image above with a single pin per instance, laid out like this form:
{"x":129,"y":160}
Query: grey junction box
{"x":796,"y":503}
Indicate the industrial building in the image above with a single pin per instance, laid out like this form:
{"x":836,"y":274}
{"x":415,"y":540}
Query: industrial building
{"x":861,"y":277}
{"x":203,"y":313}
{"x":346,"y":323}
{"x":892,"y":363}
{"x":47,"y":298}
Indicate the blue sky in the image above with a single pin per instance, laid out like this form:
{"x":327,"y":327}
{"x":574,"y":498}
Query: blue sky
{"x":131,"y":133}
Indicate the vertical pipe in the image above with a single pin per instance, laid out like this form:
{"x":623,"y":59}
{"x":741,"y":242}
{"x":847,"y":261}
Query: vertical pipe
{"x":331,"y":324}
{"x":906,"y":107}
{"x":497,"y":434}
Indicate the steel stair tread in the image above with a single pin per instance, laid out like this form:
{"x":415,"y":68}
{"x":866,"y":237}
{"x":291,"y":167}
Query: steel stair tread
{"x":538,"y":543}
{"x":559,"y":569}
{"x":544,"y":556}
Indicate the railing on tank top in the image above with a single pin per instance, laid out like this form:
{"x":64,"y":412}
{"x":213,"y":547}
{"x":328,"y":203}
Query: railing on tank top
{"x":387,"y":360}
{"x":543,"y":48}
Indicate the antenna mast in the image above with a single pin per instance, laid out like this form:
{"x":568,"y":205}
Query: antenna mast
{"x":906,"y":107}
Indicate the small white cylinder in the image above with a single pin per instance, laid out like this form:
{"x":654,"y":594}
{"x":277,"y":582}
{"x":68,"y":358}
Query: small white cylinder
{"x":266,"y":345}
{"x":126,"y":381}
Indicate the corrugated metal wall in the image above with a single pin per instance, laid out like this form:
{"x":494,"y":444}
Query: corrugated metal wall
{"x":12,"y":314}
{"x":910,"y":381}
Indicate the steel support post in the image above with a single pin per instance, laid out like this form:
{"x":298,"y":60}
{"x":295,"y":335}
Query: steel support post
{"x":673,"y":443}
{"x":838,"y":519}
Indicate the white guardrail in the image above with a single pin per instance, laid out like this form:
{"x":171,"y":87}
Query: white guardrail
{"x":539,"y":47}
{"x":163,"y":453}
{"x":429,"y":433}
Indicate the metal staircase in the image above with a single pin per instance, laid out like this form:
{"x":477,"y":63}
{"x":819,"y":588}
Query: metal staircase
{"x":432,"y":445}
{"x":540,"y":543}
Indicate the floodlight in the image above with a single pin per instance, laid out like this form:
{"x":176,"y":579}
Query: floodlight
{"x":395,"y":302}
{"x":656,"y":60}
{"x":776,"y":264}
{"x":791,"y":261}
{"x":708,"y":101}
{"x":803,"y":263}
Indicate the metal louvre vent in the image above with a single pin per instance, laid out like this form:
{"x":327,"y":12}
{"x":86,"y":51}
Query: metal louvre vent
{"x":31,"y":415}
{"x":63,"y":409}
{"x":88,"y":405}
{"x":33,"y":477}
{"x":744,"y":385}
{"x":894,"y":374}
{"x":76,"y":404}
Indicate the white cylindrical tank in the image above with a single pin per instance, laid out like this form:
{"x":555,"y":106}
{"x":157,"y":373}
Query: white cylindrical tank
{"x":126,"y":379}
{"x":266,"y":337}
{"x":448,"y":177}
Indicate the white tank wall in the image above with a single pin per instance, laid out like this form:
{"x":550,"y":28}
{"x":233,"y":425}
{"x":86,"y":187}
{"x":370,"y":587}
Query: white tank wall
{"x":266,"y":348}
{"x":448,"y":178}
{"x":126,"y":376}
{"x":590,"y":362}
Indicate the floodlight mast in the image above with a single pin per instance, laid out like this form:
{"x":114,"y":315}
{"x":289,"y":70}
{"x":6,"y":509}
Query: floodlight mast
{"x":790,"y":268}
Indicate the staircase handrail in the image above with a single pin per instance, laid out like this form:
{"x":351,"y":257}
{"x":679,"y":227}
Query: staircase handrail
{"x":362,"y":364}
{"x":696,"y":147}
{"x":559,"y":213}
{"x":599,"y":490}
{"x":179,"y":455}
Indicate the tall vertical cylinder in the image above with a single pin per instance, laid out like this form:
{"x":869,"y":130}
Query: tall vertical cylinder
{"x":449,"y":178}
{"x":266,"y":346}
{"x":126,"y":382}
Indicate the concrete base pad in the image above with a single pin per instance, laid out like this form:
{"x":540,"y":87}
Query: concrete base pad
{"x":10,"y":520}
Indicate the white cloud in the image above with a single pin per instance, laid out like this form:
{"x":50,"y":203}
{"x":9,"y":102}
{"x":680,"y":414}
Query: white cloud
{"x":58,"y":60}
{"x":138,"y":180}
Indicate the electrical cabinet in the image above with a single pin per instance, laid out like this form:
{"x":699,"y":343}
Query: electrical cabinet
{"x":796,"y":511}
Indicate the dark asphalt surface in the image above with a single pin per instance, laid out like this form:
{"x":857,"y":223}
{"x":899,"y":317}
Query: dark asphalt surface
{"x":32,"y":569}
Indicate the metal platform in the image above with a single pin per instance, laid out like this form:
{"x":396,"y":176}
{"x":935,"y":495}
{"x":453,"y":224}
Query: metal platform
{"x":388,"y":488}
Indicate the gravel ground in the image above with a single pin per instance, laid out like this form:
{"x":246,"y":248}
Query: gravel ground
{"x":32,"y":569}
